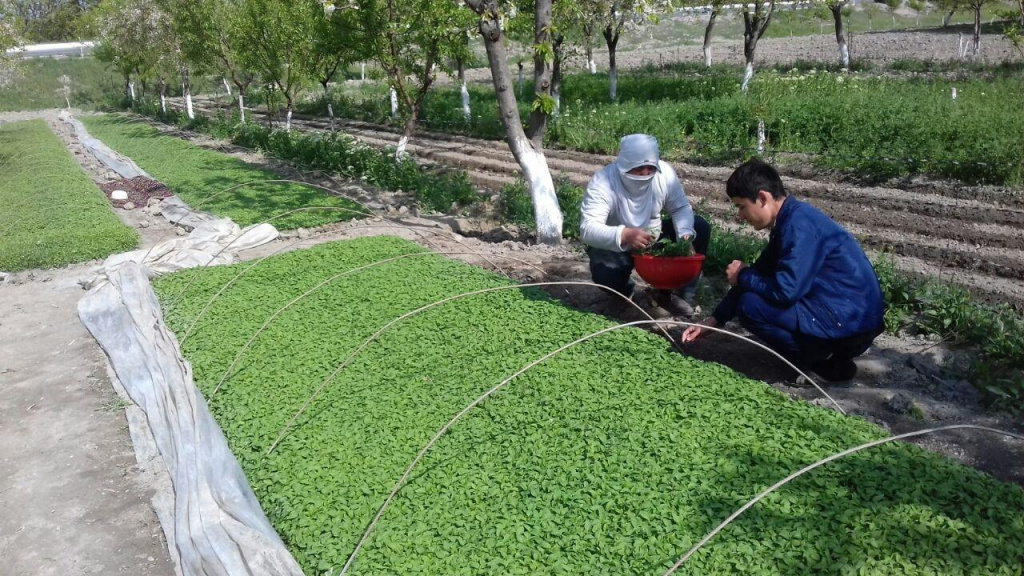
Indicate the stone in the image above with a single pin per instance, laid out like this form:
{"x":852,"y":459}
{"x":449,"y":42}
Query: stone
{"x":180,"y":231}
{"x":390,"y":209}
{"x":901,"y":403}
{"x":129,"y":206}
{"x":118,"y":195}
{"x":403,"y":210}
{"x":154,"y":202}
{"x":144,"y":224}
{"x":304,"y":233}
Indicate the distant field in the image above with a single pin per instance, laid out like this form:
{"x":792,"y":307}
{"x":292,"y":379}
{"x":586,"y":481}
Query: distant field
{"x":52,"y":214}
{"x":37,"y":86}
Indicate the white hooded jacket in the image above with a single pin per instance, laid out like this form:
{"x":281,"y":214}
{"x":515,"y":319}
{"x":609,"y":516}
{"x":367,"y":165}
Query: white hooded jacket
{"x":615,"y":200}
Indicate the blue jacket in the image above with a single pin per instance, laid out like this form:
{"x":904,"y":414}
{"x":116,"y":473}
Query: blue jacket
{"x":813,"y":264}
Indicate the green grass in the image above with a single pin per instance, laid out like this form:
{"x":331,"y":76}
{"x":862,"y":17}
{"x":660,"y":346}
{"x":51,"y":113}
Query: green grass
{"x":36,"y":87}
{"x":612,"y":458}
{"x":51,"y":214}
{"x":202,"y":178}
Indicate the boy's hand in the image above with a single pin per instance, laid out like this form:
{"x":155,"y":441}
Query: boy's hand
{"x":694,"y":332}
{"x":732,"y":272}
{"x":636,"y":238}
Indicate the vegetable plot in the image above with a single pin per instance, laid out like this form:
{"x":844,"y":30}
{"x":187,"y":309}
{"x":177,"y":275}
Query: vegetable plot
{"x":215,"y":182}
{"x":613,"y":457}
{"x":51,"y":214}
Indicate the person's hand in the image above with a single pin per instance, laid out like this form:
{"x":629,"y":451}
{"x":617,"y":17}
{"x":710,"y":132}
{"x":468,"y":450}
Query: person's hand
{"x":694,"y":332}
{"x":636,"y":238}
{"x":732,"y":272}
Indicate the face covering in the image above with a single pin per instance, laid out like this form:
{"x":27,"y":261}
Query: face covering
{"x":637,"y":186}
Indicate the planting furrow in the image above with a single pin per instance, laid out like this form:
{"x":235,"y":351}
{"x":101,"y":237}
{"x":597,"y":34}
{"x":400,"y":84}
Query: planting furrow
{"x":948,"y":228}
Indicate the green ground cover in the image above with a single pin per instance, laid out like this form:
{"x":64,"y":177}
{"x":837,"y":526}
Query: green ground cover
{"x":37,"y":83}
{"x":612,"y":458}
{"x":873,"y":127}
{"x":51,"y":214}
{"x":202,"y":178}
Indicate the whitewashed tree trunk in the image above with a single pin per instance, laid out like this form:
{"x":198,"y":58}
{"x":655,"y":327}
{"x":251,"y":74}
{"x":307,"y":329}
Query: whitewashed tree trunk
{"x":844,"y":49}
{"x":241,"y":107}
{"x":362,"y":71}
{"x":592,"y":66}
{"x":288,"y":119}
{"x":542,"y":190}
{"x":68,"y":100}
{"x":131,"y":90}
{"x":760,"y":136}
{"x":400,"y":149}
{"x":520,"y":79}
{"x":163,"y":104}
{"x":188,"y":106}
{"x":467,"y":113}
{"x":227,"y":87}
{"x":394,"y":103}
{"x":747,"y":75}
{"x":707,"y":36}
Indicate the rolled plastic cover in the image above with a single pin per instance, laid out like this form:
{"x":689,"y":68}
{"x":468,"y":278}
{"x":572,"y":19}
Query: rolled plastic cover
{"x":219,"y":527}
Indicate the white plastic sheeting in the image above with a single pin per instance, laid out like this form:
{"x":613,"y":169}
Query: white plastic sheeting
{"x":219,"y":527}
{"x":124,"y":167}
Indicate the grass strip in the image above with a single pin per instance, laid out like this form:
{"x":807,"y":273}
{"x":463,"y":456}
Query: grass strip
{"x":200,"y":177}
{"x":612,"y":458}
{"x":51,"y":214}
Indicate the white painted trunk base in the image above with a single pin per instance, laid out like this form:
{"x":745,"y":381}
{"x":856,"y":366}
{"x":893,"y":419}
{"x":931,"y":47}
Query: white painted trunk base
{"x":707,"y":57}
{"x":131,"y":90}
{"x":592,"y":66}
{"x":760,"y":136}
{"x":747,"y":75}
{"x":394,"y":103}
{"x":163,"y":104}
{"x":466,"y":112}
{"x":241,"y":108}
{"x":188,"y":106}
{"x":227,"y":87}
{"x":288,"y":121}
{"x":844,"y":54}
{"x":542,"y":191}
{"x":362,"y":71}
{"x":400,"y":150}
{"x":613,"y":84}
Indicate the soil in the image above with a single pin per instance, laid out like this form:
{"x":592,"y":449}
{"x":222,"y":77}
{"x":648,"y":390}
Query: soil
{"x":140,"y":191}
{"x":73,"y":499}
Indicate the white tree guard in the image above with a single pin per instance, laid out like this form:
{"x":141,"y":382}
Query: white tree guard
{"x":467,"y":113}
{"x":747,"y":75}
{"x":542,"y":190}
{"x":219,"y":527}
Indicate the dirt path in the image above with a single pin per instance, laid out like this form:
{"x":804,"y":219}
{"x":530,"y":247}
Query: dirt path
{"x":72,"y":498}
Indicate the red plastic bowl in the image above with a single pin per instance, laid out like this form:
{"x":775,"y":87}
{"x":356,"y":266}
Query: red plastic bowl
{"x":668,"y":272}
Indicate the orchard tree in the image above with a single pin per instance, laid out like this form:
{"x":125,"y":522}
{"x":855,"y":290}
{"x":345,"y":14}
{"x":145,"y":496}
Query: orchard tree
{"x":613,"y":17}
{"x":716,"y":9}
{"x":526,"y":145}
{"x":127,"y":30}
{"x":208,"y":37}
{"x":754,"y":25}
{"x":337,"y":42}
{"x":410,"y":40}
{"x":838,"y":9}
{"x":949,"y":8}
{"x":892,"y":6}
{"x":275,"y":39}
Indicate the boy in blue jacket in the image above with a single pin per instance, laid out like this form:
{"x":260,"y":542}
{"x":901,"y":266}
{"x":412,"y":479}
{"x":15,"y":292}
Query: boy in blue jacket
{"x":812,"y":295}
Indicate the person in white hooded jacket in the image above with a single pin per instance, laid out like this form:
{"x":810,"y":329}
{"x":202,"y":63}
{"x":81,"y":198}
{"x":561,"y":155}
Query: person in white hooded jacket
{"x":621,"y":212}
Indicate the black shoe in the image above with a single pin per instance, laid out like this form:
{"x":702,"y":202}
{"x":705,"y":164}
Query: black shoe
{"x":832,"y":371}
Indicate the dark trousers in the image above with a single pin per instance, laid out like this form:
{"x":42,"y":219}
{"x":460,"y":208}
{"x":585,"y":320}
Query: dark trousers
{"x":613,"y":269}
{"x":777,"y":327}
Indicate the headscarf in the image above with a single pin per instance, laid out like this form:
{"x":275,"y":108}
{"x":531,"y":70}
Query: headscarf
{"x":638,"y":150}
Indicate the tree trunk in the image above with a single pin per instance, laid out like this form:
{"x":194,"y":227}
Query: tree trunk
{"x":707,"y":35}
{"x":527,"y":153}
{"x":410,"y":127}
{"x":241,"y":107}
{"x":131,"y":91}
{"x":288,"y":112}
{"x":556,"y":73}
{"x":844,"y":50}
{"x":588,"y":46}
{"x":976,"y":43}
{"x":330,"y":106}
{"x":520,"y":64}
{"x":947,"y":18}
{"x":227,"y":87}
{"x":394,"y":103}
{"x":467,"y":112}
{"x":127,"y":86}
{"x":163,"y":97}
{"x":611,"y":40}
{"x":186,"y":87}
